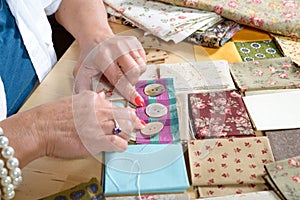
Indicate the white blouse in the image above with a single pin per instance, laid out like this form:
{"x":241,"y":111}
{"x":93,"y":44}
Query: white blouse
{"x":31,"y":18}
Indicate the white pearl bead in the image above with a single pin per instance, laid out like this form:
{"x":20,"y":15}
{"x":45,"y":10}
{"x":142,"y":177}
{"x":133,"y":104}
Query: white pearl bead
{"x":3,"y":172}
{"x":8,"y":189}
{"x":3,"y":141}
{"x":1,"y":131}
{"x":6,"y":181}
{"x":1,"y":163}
{"x":14,"y":173}
{"x":7,"y":152}
{"x":10,"y":195}
{"x":12,"y":163}
{"x":17,"y":181}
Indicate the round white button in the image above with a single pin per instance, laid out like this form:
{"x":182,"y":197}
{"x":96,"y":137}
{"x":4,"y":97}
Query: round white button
{"x":152,"y":128}
{"x":156,"y":110}
{"x":154,"y":89}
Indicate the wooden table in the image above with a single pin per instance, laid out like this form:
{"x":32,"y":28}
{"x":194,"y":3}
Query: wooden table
{"x":47,"y":176}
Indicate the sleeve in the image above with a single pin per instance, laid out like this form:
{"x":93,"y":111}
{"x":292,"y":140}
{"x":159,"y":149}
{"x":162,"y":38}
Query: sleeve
{"x":51,"y":6}
{"x":3,"y":109}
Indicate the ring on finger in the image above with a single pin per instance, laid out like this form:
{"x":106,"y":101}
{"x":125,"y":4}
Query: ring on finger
{"x":117,"y":130}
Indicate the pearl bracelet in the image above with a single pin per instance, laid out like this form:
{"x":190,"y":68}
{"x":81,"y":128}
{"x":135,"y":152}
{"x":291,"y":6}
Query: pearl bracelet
{"x":10,"y":173}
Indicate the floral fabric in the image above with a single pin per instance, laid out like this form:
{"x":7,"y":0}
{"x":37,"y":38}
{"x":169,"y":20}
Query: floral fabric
{"x":153,"y":197}
{"x":216,"y":35}
{"x":91,"y":190}
{"x":285,"y":175}
{"x":268,"y":195}
{"x":276,"y":16}
{"x":285,"y":144}
{"x":164,"y":21}
{"x":277,"y":73}
{"x":232,"y":165}
{"x":198,"y":76}
{"x":290,"y":47}
{"x":222,"y":190}
{"x":258,"y":50}
{"x":219,"y":114}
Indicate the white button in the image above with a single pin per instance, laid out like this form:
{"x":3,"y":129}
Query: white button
{"x":152,"y":128}
{"x":154,"y":89}
{"x":156,"y":110}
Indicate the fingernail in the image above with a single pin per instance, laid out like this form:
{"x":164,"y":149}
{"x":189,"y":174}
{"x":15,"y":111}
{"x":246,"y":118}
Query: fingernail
{"x":143,"y":122}
{"x":139,"y":101}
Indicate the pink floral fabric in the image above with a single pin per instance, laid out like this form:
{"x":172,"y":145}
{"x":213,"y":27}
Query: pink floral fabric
{"x":219,"y":114}
{"x":234,"y":164}
{"x":290,"y":47}
{"x":285,"y":176}
{"x":276,"y":16}
{"x":277,"y":73}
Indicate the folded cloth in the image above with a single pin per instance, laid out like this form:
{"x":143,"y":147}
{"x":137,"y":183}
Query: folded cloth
{"x":219,"y":114}
{"x":216,"y":35}
{"x":257,"y":50}
{"x":268,"y":195}
{"x":153,"y":197}
{"x":170,"y":131}
{"x":233,"y":161}
{"x":190,"y":77}
{"x":91,"y":190}
{"x":284,"y":143}
{"x":290,"y":47}
{"x":276,"y":16}
{"x":277,"y":73}
{"x":285,"y":176}
{"x":144,"y":169}
{"x":167,"y":22}
{"x":221,"y":191}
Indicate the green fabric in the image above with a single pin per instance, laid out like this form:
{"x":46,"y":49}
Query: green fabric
{"x":277,"y":73}
{"x":91,"y":190}
{"x":258,"y":50}
{"x":285,"y":176}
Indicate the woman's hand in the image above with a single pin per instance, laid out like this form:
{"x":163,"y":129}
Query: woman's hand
{"x":121,"y":59}
{"x":72,"y":127}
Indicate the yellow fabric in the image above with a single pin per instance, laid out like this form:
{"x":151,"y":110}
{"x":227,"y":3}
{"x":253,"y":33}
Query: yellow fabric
{"x":227,"y":52}
{"x":248,"y":34}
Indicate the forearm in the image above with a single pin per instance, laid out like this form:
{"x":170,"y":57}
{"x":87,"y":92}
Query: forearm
{"x":85,"y":20}
{"x":19,"y":129}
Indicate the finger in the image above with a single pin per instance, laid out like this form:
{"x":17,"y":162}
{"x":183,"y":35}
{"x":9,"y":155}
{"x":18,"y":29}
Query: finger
{"x":121,"y":83}
{"x":116,"y":143}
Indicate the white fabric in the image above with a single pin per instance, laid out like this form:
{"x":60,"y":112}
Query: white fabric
{"x":3,"y":110}
{"x":31,"y":18}
{"x":274,"y":111}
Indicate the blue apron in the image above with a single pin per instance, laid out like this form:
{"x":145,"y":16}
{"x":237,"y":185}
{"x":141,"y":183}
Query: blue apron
{"x":16,"y":69}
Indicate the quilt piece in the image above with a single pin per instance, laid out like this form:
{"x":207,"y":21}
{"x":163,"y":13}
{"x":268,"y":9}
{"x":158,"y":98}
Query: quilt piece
{"x":223,"y":190}
{"x":216,"y":35}
{"x":285,"y":175}
{"x":145,"y":169}
{"x":160,"y":112}
{"x":274,"y":16}
{"x":89,"y":191}
{"x":233,"y":161}
{"x":219,"y":114}
{"x":258,"y":50}
{"x":153,"y":197}
{"x":190,"y":77}
{"x":268,"y":195}
{"x":277,"y":73}
{"x":167,"y":22}
{"x":290,"y":47}
{"x":274,"y":111}
{"x":285,"y":144}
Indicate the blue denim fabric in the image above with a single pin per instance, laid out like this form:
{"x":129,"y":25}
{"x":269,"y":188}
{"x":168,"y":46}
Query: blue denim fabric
{"x":16,"y":69}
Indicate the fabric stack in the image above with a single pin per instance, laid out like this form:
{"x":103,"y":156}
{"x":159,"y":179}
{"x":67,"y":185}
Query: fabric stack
{"x":174,"y":23}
